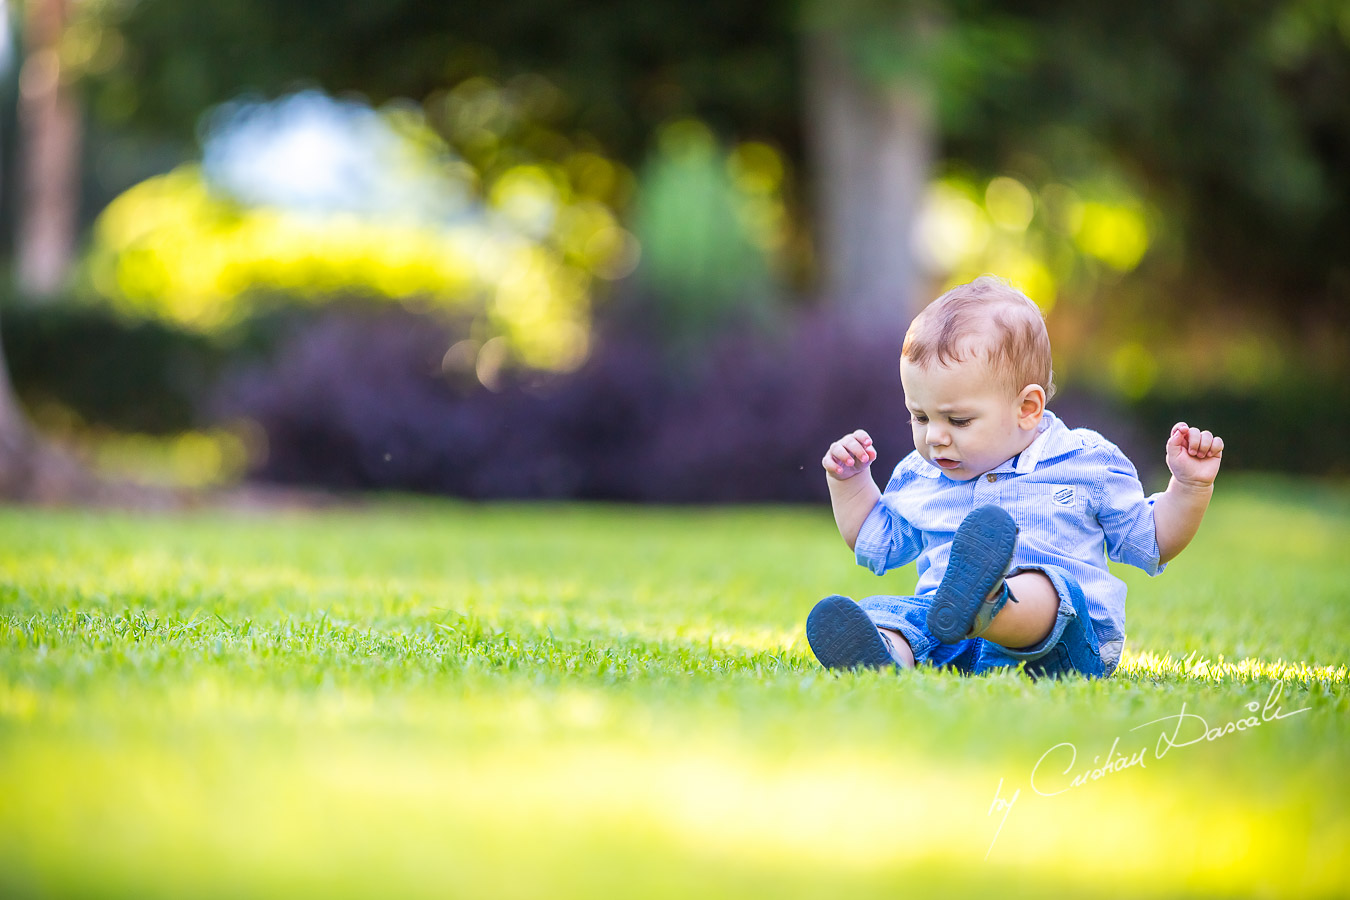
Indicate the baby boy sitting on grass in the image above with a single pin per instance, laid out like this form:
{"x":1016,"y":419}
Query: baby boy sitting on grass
{"x":1010,"y":514}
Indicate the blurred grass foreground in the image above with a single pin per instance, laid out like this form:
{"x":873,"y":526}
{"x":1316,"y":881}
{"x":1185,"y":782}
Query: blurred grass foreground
{"x":427,"y":698}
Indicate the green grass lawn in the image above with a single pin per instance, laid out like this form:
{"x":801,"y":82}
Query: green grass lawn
{"x":441,"y":699}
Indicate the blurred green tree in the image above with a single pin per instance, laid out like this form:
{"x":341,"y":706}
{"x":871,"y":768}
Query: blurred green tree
{"x":696,"y":251}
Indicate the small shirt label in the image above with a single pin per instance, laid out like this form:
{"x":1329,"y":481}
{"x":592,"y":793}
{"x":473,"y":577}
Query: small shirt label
{"x":1063,"y":497}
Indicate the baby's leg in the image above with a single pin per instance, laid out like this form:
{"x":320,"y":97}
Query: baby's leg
{"x":1031,"y":618}
{"x":900,"y":649}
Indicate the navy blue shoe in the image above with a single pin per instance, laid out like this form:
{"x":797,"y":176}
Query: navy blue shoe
{"x":843,"y":637}
{"x":973,"y":590}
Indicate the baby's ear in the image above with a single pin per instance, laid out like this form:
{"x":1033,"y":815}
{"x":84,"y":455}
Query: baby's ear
{"x":1031,"y":405}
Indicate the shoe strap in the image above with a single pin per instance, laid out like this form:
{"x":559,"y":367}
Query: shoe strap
{"x":984,"y":614}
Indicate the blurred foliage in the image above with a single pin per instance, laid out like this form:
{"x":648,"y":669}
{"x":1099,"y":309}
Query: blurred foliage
{"x":212,"y":457}
{"x":714,"y":227}
{"x":1235,"y":118}
{"x":536,"y":224}
{"x":621,"y":69}
{"x":75,"y":363}
{"x":1295,"y":425}
{"x":1049,"y":239}
{"x":1236,"y":115}
{"x":1169,"y":180}
{"x":132,"y":396}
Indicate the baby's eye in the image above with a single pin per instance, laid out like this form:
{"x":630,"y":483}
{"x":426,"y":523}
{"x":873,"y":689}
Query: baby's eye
{"x":959,"y":423}
{"x":918,"y":420}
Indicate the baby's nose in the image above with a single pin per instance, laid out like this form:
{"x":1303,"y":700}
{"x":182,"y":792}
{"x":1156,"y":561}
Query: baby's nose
{"x":937,"y":437}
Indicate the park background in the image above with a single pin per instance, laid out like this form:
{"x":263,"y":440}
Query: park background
{"x":290,"y":291}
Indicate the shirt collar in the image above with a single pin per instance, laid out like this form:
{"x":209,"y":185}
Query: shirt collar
{"x":1053,"y":437}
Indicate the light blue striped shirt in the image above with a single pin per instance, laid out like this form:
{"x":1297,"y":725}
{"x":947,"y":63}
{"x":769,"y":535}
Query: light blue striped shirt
{"x":1076,"y":500}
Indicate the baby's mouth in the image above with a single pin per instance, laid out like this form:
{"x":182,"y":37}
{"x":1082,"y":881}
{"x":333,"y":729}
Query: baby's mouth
{"x":945,"y":463}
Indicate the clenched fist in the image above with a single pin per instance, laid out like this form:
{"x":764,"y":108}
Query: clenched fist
{"x":849,"y":455}
{"x":1193,"y":455}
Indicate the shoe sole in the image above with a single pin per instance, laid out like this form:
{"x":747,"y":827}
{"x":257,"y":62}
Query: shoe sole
{"x":981,"y":553}
{"x":843,"y":637}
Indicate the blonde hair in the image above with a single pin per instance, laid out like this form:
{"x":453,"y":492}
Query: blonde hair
{"x":986,"y":317}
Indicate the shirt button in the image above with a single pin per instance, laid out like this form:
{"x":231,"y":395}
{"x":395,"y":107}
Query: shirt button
{"x":991,"y":477}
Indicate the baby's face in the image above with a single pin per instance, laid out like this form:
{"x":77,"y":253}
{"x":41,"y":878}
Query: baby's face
{"x":964,"y":418}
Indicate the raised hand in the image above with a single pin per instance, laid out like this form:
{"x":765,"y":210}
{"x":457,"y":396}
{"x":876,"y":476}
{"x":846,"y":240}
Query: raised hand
{"x":1193,"y":455}
{"x":849,"y":455}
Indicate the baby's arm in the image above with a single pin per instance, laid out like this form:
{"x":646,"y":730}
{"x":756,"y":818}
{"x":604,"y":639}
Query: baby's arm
{"x":852,"y":497}
{"x":1193,"y":456}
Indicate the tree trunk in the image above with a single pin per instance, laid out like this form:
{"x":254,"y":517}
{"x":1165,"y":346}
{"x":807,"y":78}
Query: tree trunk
{"x":31,"y":469}
{"x":15,"y":437}
{"x":49,"y":156}
{"x":873,"y":146}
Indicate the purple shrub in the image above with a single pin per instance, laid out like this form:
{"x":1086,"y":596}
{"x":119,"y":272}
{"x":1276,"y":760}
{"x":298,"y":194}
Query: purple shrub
{"x":358,"y":400}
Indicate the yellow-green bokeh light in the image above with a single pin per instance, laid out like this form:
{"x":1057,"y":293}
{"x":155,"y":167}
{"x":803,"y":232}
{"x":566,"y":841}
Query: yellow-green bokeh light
{"x":523,"y":256}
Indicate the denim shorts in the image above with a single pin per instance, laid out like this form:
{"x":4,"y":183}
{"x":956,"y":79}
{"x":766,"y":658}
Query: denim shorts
{"x":1071,"y":646}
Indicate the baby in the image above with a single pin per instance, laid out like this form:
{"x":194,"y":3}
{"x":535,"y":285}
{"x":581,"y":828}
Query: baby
{"x":1010,"y":514}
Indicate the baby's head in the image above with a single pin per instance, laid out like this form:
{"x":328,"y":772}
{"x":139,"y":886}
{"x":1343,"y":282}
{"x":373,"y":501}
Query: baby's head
{"x":977,"y":374}
{"x":986,"y":320}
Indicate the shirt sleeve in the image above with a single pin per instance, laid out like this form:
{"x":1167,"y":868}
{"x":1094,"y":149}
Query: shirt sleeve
{"x":887,"y":540}
{"x":1125,"y":514}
